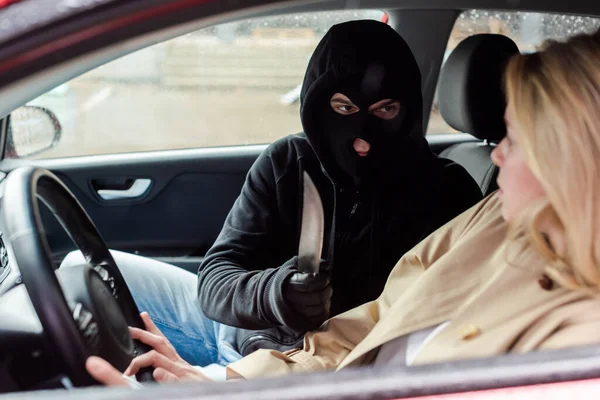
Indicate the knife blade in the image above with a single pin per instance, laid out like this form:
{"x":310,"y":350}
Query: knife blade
{"x":312,"y":227}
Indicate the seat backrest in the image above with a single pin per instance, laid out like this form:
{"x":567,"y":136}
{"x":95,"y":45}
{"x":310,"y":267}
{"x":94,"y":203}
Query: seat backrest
{"x":471,"y":100}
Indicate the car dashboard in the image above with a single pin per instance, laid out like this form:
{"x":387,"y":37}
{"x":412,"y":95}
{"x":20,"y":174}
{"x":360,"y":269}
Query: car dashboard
{"x":4,"y":265}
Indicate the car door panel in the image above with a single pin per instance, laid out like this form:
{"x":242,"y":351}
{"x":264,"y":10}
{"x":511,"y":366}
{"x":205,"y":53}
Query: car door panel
{"x":180,"y":216}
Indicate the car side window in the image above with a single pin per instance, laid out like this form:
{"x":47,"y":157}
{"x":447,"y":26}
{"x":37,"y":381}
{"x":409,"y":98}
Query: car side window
{"x":232,"y":84}
{"x":529,"y":30}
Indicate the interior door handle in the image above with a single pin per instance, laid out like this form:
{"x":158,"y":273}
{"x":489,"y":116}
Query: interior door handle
{"x":138,"y":189}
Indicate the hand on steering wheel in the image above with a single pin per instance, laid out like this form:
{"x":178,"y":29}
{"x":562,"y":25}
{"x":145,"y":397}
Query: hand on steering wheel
{"x":169,"y":366}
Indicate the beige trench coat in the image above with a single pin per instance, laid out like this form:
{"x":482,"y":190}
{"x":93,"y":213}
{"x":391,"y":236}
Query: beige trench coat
{"x":466,"y":273}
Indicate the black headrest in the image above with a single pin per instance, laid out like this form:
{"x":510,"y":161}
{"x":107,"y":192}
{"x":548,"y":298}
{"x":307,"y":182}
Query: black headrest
{"x":471,"y":95}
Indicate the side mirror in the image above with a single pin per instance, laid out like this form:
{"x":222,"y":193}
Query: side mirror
{"x":31,"y":130}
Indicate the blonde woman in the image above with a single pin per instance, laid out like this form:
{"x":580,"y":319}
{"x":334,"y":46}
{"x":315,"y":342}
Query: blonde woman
{"x":518,"y":272}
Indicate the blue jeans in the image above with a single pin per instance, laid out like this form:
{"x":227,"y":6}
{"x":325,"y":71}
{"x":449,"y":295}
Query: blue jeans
{"x":169,"y":295}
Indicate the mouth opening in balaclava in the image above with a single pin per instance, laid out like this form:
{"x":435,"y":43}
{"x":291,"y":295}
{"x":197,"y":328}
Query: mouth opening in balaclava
{"x":367,"y":61}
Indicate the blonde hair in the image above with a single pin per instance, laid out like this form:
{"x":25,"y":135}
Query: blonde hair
{"x":555,"y":94}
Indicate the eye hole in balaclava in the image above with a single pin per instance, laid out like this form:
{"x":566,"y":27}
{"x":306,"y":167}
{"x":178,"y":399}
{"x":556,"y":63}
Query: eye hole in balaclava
{"x":368,"y":63}
{"x":385,"y":109}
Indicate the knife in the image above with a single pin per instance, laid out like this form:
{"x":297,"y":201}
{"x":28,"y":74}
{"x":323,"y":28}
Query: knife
{"x":312,"y":227}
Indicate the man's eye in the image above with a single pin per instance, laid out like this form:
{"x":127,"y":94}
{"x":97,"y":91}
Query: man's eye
{"x":388,"y":111}
{"x":344,"y":109}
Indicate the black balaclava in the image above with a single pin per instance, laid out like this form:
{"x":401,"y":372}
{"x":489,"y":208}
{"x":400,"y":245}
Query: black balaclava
{"x":367,"y":61}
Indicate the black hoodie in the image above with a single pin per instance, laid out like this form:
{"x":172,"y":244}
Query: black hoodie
{"x":376,"y":207}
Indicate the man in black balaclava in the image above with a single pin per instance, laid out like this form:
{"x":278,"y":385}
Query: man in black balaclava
{"x":383,"y":191}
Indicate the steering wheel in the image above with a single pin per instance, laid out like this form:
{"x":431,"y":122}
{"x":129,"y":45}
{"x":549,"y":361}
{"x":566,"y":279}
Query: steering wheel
{"x":84,"y":310}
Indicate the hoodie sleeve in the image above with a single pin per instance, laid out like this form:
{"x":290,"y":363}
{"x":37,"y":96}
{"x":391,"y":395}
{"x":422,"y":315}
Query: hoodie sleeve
{"x":239,"y":281}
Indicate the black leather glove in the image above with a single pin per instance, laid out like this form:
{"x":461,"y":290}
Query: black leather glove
{"x":309,"y":295}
